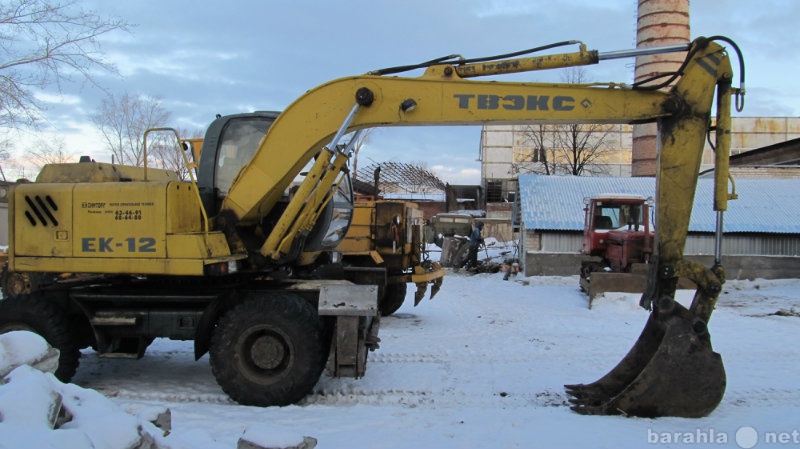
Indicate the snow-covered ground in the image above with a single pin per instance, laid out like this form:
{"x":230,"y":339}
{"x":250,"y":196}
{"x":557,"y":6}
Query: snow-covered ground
{"x":482,"y":365}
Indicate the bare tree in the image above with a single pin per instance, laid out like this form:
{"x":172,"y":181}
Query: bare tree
{"x":167,"y":154}
{"x":541,"y":157}
{"x":583,"y":147}
{"x":45,"y":42}
{"x":5,"y":154}
{"x":43,"y":152}
{"x":574,"y":149}
{"x":123,"y":120}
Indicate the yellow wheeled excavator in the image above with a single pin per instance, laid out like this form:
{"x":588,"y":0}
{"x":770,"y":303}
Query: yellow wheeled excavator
{"x":245,"y":266}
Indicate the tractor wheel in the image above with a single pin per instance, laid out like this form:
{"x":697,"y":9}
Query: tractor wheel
{"x":36,"y":314}
{"x":269,"y":350}
{"x":393,"y":297}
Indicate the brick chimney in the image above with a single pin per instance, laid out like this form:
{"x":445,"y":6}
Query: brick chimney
{"x":659,"y":22}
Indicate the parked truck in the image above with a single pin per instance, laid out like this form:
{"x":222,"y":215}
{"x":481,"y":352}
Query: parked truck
{"x":388,"y":234}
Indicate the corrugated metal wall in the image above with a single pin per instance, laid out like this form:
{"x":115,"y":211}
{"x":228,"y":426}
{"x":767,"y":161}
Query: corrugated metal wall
{"x":696,"y":244}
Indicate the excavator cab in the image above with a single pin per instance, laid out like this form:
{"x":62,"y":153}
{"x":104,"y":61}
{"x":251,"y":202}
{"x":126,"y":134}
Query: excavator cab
{"x":229,"y":145}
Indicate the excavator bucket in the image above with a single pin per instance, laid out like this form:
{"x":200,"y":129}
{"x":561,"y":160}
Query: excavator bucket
{"x":671,"y":370}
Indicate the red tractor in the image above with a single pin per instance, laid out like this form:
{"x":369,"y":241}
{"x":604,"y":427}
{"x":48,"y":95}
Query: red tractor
{"x":616,"y":230}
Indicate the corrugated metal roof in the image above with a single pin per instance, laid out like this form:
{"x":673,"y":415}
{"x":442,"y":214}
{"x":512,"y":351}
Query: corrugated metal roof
{"x":415,"y":196}
{"x":764,"y":205}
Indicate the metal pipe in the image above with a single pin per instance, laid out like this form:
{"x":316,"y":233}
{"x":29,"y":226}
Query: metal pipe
{"x":343,"y":129}
{"x":718,"y":239}
{"x":278,"y":243}
{"x":643,"y":51}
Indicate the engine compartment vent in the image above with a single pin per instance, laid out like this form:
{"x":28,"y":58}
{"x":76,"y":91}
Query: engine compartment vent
{"x":41,"y":210}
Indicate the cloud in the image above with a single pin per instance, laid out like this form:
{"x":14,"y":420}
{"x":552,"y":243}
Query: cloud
{"x":263,"y":55}
{"x":457,"y":175}
{"x":59,"y":99}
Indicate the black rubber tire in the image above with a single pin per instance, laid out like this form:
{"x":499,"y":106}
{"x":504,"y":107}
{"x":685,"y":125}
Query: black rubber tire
{"x":393,"y":297}
{"x":35,"y":313}
{"x":286,"y":333}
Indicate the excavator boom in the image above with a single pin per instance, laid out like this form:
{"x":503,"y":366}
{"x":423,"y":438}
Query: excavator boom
{"x":442,"y":97}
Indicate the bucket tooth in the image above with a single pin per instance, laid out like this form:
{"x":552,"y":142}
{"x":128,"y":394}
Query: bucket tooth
{"x":671,"y":370}
{"x":436,"y":285}
{"x":422,"y":287}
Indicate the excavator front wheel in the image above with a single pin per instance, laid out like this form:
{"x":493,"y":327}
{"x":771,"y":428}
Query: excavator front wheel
{"x":269,"y":350}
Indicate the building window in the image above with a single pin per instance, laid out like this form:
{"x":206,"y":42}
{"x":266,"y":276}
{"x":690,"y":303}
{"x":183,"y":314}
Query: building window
{"x":538,"y":155}
{"x":494,"y":191}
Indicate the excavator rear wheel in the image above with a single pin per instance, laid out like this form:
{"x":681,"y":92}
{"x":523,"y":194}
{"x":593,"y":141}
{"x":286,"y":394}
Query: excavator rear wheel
{"x":393,"y":297}
{"x":269,"y":350}
{"x":34,"y":313}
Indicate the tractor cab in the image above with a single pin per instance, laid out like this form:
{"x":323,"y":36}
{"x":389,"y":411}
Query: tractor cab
{"x":618,"y":220}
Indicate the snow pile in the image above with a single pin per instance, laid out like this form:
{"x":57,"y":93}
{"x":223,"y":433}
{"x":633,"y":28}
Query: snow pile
{"x":39,"y":411}
{"x":36,"y":410}
{"x":19,"y":348}
{"x":259,"y":437}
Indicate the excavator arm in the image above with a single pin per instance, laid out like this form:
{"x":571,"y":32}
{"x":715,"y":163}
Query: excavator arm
{"x":672,"y":369}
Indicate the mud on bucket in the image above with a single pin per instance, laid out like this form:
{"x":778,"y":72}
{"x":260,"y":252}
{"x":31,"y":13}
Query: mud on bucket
{"x":671,"y":370}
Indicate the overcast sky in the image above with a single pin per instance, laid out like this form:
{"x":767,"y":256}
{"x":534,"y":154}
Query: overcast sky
{"x":205,"y":58}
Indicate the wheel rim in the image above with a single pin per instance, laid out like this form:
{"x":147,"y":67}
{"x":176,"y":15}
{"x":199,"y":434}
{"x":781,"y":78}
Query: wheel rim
{"x":268,"y":352}
{"x":264,"y":354}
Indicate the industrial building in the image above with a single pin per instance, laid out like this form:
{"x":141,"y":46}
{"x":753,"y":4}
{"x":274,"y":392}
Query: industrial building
{"x":762,"y":227}
{"x":507,"y":151}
